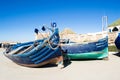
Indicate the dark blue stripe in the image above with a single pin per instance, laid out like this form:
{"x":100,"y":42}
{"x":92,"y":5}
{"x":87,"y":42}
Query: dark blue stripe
{"x":39,"y":52}
{"x":42,"y":54}
{"x":47,"y":56}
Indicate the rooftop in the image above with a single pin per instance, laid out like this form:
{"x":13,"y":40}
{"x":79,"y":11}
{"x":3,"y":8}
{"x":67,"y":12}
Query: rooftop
{"x":116,"y":23}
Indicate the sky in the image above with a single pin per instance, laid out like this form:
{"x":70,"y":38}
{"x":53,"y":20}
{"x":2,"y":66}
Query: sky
{"x":19,"y":18}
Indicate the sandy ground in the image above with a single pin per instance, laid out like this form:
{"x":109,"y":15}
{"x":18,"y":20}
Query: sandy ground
{"x":77,"y":70}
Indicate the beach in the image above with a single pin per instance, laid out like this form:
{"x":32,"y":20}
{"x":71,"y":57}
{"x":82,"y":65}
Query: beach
{"x":77,"y":70}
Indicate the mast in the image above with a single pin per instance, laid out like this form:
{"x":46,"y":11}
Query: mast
{"x":104,"y":23}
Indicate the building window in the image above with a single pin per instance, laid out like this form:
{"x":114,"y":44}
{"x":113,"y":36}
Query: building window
{"x":110,"y":30}
{"x":115,"y":29}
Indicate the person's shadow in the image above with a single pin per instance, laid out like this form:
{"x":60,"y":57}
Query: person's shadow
{"x":66,"y":59}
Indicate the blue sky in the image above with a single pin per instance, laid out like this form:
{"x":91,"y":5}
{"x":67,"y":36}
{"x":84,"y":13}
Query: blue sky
{"x":18,"y":18}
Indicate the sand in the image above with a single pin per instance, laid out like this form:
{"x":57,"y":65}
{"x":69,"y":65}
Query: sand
{"x":77,"y":70}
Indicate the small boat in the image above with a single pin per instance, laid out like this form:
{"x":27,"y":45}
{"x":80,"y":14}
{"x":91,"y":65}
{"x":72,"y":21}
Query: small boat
{"x":87,"y":46}
{"x":36,"y":53}
{"x":117,"y":42}
{"x":88,"y":50}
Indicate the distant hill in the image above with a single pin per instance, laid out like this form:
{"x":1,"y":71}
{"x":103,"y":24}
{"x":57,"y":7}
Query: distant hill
{"x":67,"y":31}
{"x":116,"y":23}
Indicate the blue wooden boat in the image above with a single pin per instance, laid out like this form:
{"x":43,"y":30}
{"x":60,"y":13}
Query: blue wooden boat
{"x":36,"y":53}
{"x":90,"y":50}
{"x":117,"y":42}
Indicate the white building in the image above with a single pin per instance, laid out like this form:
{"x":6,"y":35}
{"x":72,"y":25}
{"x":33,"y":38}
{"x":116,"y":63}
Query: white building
{"x":114,"y":28}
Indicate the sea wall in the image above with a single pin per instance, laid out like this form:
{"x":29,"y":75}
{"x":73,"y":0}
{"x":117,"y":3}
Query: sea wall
{"x":111,"y":37}
{"x":80,"y":38}
{"x":90,"y":37}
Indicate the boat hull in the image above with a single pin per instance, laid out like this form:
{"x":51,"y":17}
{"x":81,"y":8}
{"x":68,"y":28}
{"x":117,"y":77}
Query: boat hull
{"x":36,"y":53}
{"x":117,"y":42}
{"x":90,"y":55}
{"x":92,"y":50}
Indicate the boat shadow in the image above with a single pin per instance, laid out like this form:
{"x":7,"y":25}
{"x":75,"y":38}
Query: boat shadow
{"x":65,"y":63}
{"x":117,"y":54}
{"x":85,"y":59}
{"x":47,"y":66}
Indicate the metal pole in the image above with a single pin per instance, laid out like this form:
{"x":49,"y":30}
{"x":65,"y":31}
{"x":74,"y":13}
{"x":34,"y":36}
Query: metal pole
{"x":104,"y":23}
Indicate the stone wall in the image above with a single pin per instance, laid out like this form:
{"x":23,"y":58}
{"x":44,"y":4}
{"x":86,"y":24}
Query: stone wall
{"x":80,"y":38}
{"x":89,"y":37}
{"x":111,"y":37}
